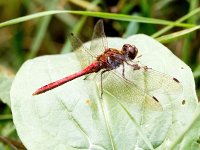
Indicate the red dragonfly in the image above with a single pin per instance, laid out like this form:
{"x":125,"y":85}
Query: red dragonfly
{"x":111,"y":59}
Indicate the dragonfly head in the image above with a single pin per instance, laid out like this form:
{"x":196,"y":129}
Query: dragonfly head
{"x":130,"y":51}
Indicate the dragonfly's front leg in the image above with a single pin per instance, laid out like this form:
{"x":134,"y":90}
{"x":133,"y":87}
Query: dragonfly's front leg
{"x":135,"y":66}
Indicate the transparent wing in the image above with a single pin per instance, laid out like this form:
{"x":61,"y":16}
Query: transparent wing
{"x":98,"y":45}
{"x":151,"y":80}
{"x":99,"y":41}
{"x":84,"y":55}
{"x":126,"y":91}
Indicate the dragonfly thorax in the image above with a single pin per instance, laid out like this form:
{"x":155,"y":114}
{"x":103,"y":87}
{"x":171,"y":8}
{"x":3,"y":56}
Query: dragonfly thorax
{"x":130,"y":51}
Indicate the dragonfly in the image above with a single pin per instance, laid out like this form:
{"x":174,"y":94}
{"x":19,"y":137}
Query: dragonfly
{"x":109,"y":59}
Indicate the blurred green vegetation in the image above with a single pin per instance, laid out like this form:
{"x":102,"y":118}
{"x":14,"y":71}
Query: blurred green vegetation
{"x":49,"y":35}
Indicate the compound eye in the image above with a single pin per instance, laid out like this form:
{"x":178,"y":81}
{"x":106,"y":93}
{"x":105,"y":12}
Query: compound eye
{"x":125,"y":47}
{"x":130,"y":50}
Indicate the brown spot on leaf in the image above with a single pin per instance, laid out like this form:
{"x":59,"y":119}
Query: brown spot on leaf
{"x":87,"y":101}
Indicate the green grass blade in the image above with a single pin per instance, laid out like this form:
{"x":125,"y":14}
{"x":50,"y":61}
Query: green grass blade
{"x":6,"y":117}
{"x":175,"y":35}
{"x":41,"y":31}
{"x":39,"y":37}
{"x":189,"y":38}
{"x":196,"y":72}
{"x":165,"y":29}
{"x":121,"y":17}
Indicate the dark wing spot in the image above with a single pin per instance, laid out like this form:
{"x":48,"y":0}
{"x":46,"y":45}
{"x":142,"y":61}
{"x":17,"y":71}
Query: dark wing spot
{"x":183,"y":102}
{"x":176,"y":80}
{"x":182,"y":68}
{"x":155,"y":99}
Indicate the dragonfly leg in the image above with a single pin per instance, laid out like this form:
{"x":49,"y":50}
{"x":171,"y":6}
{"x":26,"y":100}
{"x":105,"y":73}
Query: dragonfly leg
{"x":101,"y":87}
{"x":123,"y":70}
{"x":86,"y":76}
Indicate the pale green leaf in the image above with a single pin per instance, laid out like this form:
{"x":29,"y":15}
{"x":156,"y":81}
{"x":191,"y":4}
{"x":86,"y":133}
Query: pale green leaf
{"x":73,"y":116}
